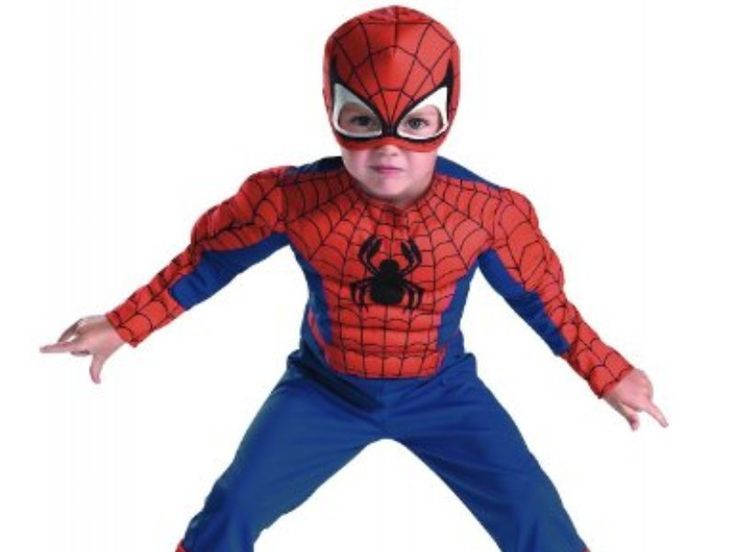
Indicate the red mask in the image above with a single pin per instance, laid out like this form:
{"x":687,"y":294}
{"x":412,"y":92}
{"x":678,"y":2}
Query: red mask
{"x":391,"y":75}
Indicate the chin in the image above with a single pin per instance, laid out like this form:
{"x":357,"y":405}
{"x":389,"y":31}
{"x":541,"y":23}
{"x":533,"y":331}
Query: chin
{"x":387,"y":188}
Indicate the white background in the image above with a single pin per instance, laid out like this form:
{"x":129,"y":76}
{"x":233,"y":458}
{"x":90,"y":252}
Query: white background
{"x":121,"y":122}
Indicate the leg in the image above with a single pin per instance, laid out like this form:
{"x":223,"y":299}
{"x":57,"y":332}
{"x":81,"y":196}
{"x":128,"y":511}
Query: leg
{"x":465,"y":436}
{"x":300,"y":437}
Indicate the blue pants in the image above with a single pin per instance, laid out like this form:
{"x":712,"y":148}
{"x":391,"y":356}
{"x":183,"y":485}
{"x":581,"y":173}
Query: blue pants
{"x":315,"y":421}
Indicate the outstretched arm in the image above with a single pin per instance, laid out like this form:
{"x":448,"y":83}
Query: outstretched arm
{"x":522,"y":266}
{"x":225,"y":240}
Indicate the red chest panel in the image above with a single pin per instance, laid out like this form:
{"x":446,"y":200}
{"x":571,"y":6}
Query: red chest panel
{"x":385,"y":275}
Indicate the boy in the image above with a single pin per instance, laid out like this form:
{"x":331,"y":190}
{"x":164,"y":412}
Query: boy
{"x":389,"y":235}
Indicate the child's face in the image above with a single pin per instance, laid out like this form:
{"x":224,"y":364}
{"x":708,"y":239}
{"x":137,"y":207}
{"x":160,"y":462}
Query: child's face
{"x":410,"y":171}
{"x":409,"y":177}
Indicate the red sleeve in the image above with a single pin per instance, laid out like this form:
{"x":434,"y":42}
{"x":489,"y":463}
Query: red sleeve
{"x":225,"y":240}
{"x":525,"y":270}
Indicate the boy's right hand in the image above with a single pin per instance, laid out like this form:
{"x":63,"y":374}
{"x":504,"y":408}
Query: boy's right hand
{"x":633,"y":394}
{"x":93,"y":335}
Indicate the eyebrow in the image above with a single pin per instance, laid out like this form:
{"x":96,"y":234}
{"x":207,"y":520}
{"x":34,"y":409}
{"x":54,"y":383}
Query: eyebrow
{"x":426,"y":110}
{"x":354,"y":107}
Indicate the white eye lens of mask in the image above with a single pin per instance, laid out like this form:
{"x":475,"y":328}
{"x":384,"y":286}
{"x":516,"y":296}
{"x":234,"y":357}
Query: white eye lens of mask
{"x":421,"y":123}
{"x":416,"y":126}
{"x":352,"y":117}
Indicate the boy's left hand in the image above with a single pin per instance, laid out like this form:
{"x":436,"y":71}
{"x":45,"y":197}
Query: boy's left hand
{"x":633,"y":394}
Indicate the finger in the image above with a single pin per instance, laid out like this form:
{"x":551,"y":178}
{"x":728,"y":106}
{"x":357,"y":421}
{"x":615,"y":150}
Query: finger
{"x":656,"y":413}
{"x":70,"y":330}
{"x":626,"y":411}
{"x":95,"y":368}
{"x":81,"y":353}
{"x":63,"y":347}
{"x":631,"y":416}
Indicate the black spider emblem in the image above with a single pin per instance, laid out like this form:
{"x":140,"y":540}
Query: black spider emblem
{"x":387,"y":285}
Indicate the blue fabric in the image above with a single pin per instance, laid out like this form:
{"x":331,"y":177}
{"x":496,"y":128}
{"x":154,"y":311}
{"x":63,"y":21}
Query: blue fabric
{"x":526,"y":304}
{"x":451,"y":316}
{"x":315,"y":421}
{"x":455,"y":170}
{"x":317,"y":299}
{"x":216,"y":269}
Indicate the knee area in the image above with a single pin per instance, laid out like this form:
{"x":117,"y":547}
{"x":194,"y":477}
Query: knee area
{"x":233,"y":494}
{"x":536,"y":497}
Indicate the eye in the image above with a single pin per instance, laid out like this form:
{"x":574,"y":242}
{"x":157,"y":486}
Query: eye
{"x":416,"y":123}
{"x":427,"y":119}
{"x":352,"y":116}
{"x":420,"y":124}
{"x":362,"y":120}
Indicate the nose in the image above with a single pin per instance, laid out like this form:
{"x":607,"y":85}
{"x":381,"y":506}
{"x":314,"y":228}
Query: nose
{"x":388,"y":150}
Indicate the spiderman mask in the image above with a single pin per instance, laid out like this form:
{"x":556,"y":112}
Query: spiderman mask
{"x":391,"y":76}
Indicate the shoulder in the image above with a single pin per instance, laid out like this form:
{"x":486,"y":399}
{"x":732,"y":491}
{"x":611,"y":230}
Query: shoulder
{"x":315,"y":184}
{"x":490,"y":202}
{"x":457,"y":172}
{"x":321,"y":166}
{"x":277,"y":183}
{"x":261,"y":189}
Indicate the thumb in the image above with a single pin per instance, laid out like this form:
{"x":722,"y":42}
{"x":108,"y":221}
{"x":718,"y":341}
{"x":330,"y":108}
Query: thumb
{"x":634,"y":422}
{"x":96,"y":367}
{"x":631,"y":416}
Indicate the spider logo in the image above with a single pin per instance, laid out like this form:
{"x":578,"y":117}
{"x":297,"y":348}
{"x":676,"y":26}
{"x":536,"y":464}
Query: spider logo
{"x":387,"y":285}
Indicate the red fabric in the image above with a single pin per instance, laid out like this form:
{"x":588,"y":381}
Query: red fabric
{"x":529,"y":259}
{"x":344,"y":236}
{"x":221,"y":227}
{"x":391,"y":58}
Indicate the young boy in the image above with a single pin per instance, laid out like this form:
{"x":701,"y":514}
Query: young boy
{"x":388,"y":235}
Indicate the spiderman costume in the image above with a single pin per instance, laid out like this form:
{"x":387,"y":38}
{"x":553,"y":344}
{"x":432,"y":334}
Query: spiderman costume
{"x":381,"y":353}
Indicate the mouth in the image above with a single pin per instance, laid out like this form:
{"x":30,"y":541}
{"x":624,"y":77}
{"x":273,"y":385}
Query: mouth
{"x":386,"y":169}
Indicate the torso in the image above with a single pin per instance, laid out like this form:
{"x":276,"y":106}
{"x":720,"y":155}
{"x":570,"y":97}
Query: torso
{"x":387,"y":285}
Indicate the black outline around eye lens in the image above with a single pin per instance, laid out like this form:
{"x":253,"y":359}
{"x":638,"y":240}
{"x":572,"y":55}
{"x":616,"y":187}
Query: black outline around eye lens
{"x":392,"y":130}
